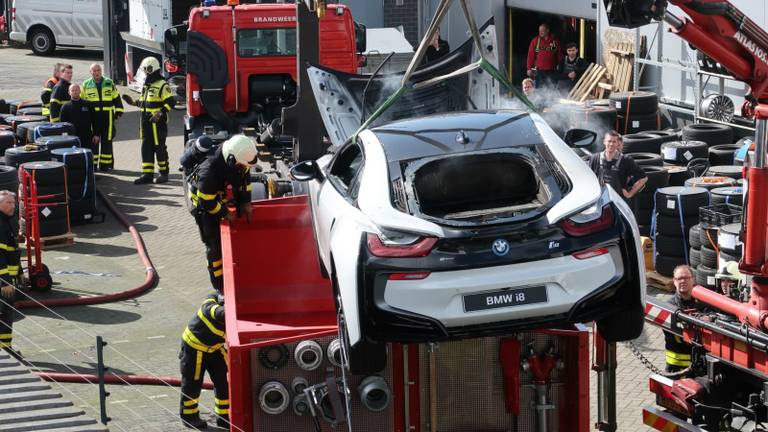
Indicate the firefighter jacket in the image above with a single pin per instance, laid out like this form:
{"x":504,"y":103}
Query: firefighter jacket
{"x":205,"y":331}
{"x":83,"y":117}
{"x":10,"y":257}
{"x":106,"y":102}
{"x":209,"y":182}
{"x":156,"y":96}
{"x":678,"y":352}
{"x":45,"y":96}
{"x":59,"y":97}
{"x":544,"y":54}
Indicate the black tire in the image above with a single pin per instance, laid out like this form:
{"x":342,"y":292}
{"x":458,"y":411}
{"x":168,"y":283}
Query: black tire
{"x":47,"y":173}
{"x":7,"y":140}
{"x":665,"y":265}
{"x":25,"y":131}
{"x":705,"y":276}
{"x":83,"y":209}
{"x":622,"y":326}
{"x":665,"y":135}
{"x":694,"y":257}
{"x":643,"y":216}
{"x":694,"y":236}
{"x":710,"y":182}
{"x":732,"y":230}
{"x":646,"y":159}
{"x":711,"y":133}
{"x":726,"y":257}
{"x":670,"y":246}
{"x":42,"y":42}
{"x":682,"y":152}
{"x":18,"y":155}
{"x":645,"y":230}
{"x":15,"y":121}
{"x":728,"y":195}
{"x":640,"y":102}
{"x":30,"y":111}
{"x":41,"y":282}
{"x":708,"y":256}
{"x":644,"y":201}
{"x":723,"y":154}
{"x":642,"y":143}
{"x":4,"y":107}
{"x":56,"y":142}
{"x":638,"y":123}
{"x":76,"y":158}
{"x":597,"y":118}
{"x":670,"y":225}
{"x":677,"y":175}
{"x":53,"y":227}
{"x":691,"y":199}
{"x":658,"y":177}
{"x":55,"y":129}
{"x":705,"y":234}
{"x":732,"y":171}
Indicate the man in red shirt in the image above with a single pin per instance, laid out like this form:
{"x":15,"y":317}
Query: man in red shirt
{"x":544,"y":54}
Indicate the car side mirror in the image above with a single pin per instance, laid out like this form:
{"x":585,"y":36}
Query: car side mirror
{"x":306,"y":171}
{"x":580,"y":138}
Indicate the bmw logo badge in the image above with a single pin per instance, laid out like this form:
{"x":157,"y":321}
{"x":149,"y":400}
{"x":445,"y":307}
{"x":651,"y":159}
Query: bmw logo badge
{"x":500,"y":247}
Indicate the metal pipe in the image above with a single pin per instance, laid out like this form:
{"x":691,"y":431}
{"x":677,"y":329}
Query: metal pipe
{"x":541,"y":407}
{"x":235,"y":72}
{"x":720,"y":330}
{"x":442,"y":9}
{"x":761,"y":142}
{"x":472,"y":26}
{"x":606,"y":385}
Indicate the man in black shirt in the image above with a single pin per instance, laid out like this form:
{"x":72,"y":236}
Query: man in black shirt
{"x":571,"y":68}
{"x":60,"y":93}
{"x":80,"y":113}
{"x":437,"y":48}
{"x":615,"y":169}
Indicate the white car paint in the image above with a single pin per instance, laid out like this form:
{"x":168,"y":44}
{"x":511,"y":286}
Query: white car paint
{"x":72,"y":22}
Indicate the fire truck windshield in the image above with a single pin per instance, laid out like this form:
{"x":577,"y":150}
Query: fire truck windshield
{"x":266,"y":42}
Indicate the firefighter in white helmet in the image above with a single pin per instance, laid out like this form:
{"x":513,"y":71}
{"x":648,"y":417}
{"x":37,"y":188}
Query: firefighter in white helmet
{"x":731,"y":282}
{"x":228,"y":166}
{"x":155,"y":103}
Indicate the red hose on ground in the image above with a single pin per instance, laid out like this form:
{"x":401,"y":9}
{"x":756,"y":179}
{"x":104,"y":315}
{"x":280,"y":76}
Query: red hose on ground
{"x":115,"y":379}
{"x":141,"y":249}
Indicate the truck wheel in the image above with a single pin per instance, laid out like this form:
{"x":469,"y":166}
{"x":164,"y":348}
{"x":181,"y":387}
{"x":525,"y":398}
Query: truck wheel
{"x":366,"y":357}
{"x":623,"y":326}
{"x":42,"y":41}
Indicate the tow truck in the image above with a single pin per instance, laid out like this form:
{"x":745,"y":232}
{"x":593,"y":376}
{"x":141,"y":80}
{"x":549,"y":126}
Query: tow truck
{"x":726,"y":388}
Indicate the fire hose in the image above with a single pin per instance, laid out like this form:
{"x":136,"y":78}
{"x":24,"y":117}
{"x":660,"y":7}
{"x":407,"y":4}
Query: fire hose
{"x":149,"y":281}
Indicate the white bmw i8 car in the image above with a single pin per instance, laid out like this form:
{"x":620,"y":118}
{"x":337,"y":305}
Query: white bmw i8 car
{"x":470,"y":224}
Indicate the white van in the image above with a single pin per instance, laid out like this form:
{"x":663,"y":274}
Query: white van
{"x":46,"y":24}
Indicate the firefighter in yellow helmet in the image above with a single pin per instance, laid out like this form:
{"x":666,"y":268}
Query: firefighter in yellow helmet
{"x":228,"y":166}
{"x":155,"y":103}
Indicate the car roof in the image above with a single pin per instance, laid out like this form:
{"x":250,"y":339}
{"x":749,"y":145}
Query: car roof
{"x":442,"y":134}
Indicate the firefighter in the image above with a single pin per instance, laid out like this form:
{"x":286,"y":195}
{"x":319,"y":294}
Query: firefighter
{"x":229,"y":166}
{"x":731,"y":282}
{"x":9,"y":269}
{"x":60,"y":93}
{"x":203,"y":350}
{"x":678,"y":352}
{"x":81,"y":114}
{"x":101,"y":92}
{"x":544,"y":54}
{"x":155,"y":103}
{"x":45,"y":96}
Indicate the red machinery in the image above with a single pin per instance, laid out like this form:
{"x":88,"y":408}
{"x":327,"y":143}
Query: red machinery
{"x":729,"y":392}
{"x":38,"y":273}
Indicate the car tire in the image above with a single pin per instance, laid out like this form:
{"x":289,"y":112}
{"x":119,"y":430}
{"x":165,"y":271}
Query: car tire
{"x":708,"y":256}
{"x":694,"y":238}
{"x":728,"y":195}
{"x":682,"y":152}
{"x":665,"y":135}
{"x":643,"y":216}
{"x":677,"y":175}
{"x":726,"y":257}
{"x":42,"y":41}
{"x":710,"y":133}
{"x":705,"y":233}
{"x":658,"y":177}
{"x":623,"y":326}
{"x":25,"y":130}
{"x":646,"y":159}
{"x":694,"y":257}
{"x":645,"y":230}
{"x":7,"y":140}
{"x":366,"y":357}
{"x":670,"y":246}
{"x":691,"y":199}
{"x":670,"y":226}
{"x":705,"y":276}
{"x":710,"y":182}
{"x":642,"y":143}
{"x":640,"y":102}
{"x":665,"y":265}
{"x":730,"y":171}
{"x":722,"y":154}
{"x":637,"y":123}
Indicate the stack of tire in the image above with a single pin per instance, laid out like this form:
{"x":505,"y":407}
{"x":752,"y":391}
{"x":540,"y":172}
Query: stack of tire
{"x":52,"y":129}
{"x":81,"y":184}
{"x":703,"y":255}
{"x":642,"y":204}
{"x":729,"y":244}
{"x":723,"y":154}
{"x":15,"y":156}
{"x":19,"y":107}
{"x":676,"y":156}
{"x":718,"y":242}
{"x":58,"y":142}
{"x":711,"y":133}
{"x":728,"y":195}
{"x":7,"y":140}
{"x":636,"y":111}
{"x":16,"y":121}
{"x":677,"y":210}
{"x":25,"y":132}
{"x":50,"y":178}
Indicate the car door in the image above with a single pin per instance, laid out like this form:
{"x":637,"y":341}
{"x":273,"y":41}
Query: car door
{"x":335,"y":198}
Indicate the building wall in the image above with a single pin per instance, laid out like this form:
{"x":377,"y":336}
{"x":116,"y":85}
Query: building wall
{"x":367,"y":12}
{"x":403,"y":13}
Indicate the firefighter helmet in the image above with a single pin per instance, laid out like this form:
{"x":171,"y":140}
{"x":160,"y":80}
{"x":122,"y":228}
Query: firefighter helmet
{"x":731,"y":271}
{"x":149,"y":65}
{"x":239,"y":150}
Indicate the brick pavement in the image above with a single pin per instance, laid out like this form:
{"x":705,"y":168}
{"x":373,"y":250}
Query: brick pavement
{"x":146,"y":329}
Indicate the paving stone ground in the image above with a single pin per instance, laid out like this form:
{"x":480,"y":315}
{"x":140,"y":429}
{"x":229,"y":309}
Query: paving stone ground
{"x":143,"y":333}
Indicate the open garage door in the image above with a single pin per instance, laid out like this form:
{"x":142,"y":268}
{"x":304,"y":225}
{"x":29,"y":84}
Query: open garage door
{"x":586,"y":9}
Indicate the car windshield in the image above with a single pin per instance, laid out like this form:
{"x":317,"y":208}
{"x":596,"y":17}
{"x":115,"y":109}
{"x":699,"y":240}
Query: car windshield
{"x":266,"y":42}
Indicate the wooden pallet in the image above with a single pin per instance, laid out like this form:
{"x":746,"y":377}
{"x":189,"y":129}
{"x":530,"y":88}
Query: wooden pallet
{"x":658,"y":281}
{"x":620,"y":64}
{"x":57,"y":241}
{"x":588,"y":83}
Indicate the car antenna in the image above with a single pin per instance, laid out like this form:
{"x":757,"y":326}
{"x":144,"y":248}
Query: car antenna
{"x":368,"y":84}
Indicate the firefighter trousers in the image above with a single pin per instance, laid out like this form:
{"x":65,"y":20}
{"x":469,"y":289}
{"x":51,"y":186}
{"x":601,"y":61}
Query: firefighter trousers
{"x":7,"y":314}
{"x":210,"y":234}
{"x":153,"y":146}
{"x":102,"y":155}
{"x":194,"y":365}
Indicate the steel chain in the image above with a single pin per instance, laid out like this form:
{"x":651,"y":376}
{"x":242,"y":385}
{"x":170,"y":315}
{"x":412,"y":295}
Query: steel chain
{"x":652,"y":367}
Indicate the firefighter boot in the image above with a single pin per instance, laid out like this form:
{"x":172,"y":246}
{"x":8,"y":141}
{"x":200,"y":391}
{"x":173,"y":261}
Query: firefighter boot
{"x":162,"y":178}
{"x":194,"y":422}
{"x":144,"y":179}
{"x":222,"y":421}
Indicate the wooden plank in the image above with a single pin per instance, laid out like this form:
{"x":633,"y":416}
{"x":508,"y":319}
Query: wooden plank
{"x":62,"y":240}
{"x":593,"y":83}
{"x":658,"y":281}
{"x":577,"y":88}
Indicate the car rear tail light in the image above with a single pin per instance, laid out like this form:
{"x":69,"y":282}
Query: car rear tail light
{"x":408,"y":276}
{"x":590,"y":253}
{"x":419,"y":248}
{"x":578,"y":229}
